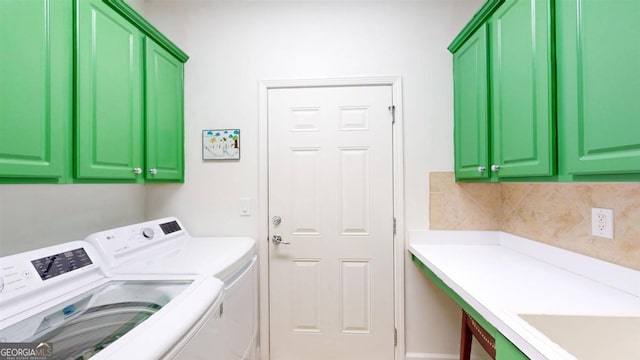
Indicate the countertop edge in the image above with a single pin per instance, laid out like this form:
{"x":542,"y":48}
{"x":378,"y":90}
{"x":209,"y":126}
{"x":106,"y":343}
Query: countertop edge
{"x":610,"y":274}
{"x":519,"y":332}
{"x":503,"y":322}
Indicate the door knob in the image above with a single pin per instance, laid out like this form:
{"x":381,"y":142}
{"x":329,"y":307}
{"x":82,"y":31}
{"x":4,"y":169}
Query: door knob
{"x":277,"y":240}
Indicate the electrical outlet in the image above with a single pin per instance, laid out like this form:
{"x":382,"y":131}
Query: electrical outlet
{"x":602,"y":223}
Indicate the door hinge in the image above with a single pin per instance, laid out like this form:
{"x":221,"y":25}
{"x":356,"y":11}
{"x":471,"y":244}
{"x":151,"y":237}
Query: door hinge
{"x":392,"y":108}
{"x":395,"y":337}
{"x":394,"y":226}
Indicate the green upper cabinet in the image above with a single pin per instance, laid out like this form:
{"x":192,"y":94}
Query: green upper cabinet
{"x":164,"y":108}
{"x":89,"y":92}
{"x":471,"y":115}
{"x":522,"y":89}
{"x":563,"y":92}
{"x":504,"y":108}
{"x":35,"y":89}
{"x":109,"y":94}
{"x":598,"y":51}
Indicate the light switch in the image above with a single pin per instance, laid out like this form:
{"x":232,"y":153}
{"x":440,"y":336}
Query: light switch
{"x":245,"y":206}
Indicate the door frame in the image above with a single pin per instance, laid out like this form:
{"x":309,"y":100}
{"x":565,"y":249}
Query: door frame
{"x":398,"y":195}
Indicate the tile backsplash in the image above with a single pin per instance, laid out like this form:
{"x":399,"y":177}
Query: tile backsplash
{"x":558,"y":214}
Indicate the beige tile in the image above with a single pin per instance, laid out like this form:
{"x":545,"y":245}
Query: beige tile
{"x":480,"y":220}
{"x":543,"y":214}
{"x":438,"y":179}
{"x":578,"y":196}
{"x":512,"y":194}
{"x":462,"y":206}
{"x":435,"y":212}
{"x":485,"y":195}
{"x":455,"y":208}
{"x":558,"y":214}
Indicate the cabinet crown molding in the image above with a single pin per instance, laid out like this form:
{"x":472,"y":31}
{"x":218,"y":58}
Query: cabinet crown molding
{"x":478,"y":19}
{"x":124,"y":9}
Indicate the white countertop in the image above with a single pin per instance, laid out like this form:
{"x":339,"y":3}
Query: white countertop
{"x":502,"y":275}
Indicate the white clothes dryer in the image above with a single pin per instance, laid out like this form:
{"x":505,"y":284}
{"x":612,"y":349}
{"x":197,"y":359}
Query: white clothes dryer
{"x":164,"y":246}
{"x":62,"y":302}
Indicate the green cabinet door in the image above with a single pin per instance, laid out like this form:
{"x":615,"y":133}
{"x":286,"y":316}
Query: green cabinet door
{"x":164,"y":107}
{"x":522,"y":89}
{"x":109,"y":97}
{"x":35,"y":88}
{"x":598,"y":55}
{"x":471,"y":136}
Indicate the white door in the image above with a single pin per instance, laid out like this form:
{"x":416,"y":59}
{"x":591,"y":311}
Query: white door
{"x":331,"y":184}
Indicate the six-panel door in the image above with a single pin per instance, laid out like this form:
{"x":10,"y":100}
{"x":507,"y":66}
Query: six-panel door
{"x":109,"y":104}
{"x":598,"y":51}
{"x":164,"y":107}
{"x":522,"y":89}
{"x":35,"y":88}
{"x":331,"y":184}
{"x":471,"y":118}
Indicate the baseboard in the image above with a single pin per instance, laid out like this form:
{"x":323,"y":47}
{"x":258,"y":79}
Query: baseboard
{"x":429,"y":356}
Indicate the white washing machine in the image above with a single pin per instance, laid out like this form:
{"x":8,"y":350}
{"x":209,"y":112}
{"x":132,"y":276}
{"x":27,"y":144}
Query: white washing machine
{"x":63,"y":302}
{"x":164,"y":246}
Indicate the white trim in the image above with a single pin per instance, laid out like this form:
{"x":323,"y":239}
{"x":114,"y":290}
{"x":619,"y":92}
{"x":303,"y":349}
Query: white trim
{"x":398,"y":189}
{"x":398,"y":209}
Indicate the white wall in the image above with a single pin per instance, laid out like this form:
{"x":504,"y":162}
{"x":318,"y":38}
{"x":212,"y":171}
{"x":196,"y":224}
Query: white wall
{"x":233,"y":45}
{"x":139,"y":5}
{"x":34,"y":216}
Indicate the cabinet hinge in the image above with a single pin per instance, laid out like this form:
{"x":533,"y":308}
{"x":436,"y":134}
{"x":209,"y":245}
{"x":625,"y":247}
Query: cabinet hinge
{"x":392,"y":108}
{"x":394,"y":226}
{"x":395,"y":337}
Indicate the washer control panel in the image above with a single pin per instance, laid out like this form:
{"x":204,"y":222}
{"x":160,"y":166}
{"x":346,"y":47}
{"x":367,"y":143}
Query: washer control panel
{"x":15,"y":276}
{"x":148,"y":233}
{"x":40,"y":268}
{"x":116,"y":244}
{"x":54,"y":265}
{"x":170,"y":227}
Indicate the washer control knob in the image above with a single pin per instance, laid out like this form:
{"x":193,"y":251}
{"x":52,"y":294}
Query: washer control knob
{"x":148,"y":233}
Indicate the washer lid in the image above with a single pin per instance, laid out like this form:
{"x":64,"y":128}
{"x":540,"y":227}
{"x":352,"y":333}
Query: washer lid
{"x":84,"y":325}
{"x":143,"y":318}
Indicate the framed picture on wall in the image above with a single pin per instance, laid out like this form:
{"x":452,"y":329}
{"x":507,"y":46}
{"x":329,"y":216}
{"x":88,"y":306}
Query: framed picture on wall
{"x":221,"y":144}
